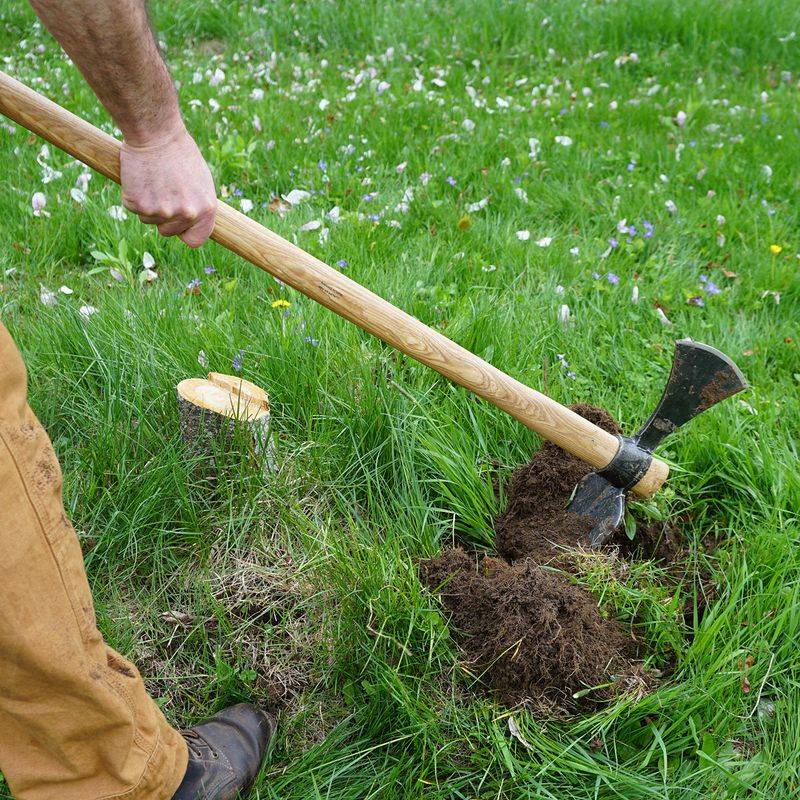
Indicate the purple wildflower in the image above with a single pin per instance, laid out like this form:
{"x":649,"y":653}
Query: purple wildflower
{"x":631,"y":166}
{"x":237,"y":361}
{"x":696,"y":301}
{"x":648,"y":229}
{"x":612,"y":278}
{"x":369,"y":197}
{"x":603,"y":123}
{"x":612,"y":242}
{"x":341,"y":263}
{"x":711,"y":288}
{"x":596,"y":275}
{"x":311,"y":340}
{"x":208,"y":269}
{"x":194,"y":285}
{"x":451,"y":180}
{"x":322,"y":165}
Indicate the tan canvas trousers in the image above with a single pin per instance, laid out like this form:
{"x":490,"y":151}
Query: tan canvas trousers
{"x":75,"y":720}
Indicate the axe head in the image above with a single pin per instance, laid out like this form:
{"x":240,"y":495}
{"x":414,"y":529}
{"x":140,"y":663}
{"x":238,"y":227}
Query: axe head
{"x":700,"y":378}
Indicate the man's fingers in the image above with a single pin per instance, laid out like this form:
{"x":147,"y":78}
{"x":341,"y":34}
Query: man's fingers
{"x":199,"y":232}
{"x":150,"y":219}
{"x":174,"y":227}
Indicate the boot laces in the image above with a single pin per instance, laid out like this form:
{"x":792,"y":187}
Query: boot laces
{"x":198,"y":746}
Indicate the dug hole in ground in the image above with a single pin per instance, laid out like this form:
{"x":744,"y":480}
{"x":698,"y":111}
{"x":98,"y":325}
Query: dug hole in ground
{"x":528,"y":631}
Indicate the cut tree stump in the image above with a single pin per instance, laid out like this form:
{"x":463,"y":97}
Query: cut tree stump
{"x":210,"y":410}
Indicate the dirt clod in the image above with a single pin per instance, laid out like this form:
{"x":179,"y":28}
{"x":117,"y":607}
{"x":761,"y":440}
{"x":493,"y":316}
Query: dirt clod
{"x":529,"y":632}
{"x":535,"y":522}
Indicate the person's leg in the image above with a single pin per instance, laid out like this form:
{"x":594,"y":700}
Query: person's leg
{"x":75,"y":720}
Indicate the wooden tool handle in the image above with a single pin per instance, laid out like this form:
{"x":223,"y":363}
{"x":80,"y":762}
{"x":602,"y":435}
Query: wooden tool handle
{"x":251,"y":240}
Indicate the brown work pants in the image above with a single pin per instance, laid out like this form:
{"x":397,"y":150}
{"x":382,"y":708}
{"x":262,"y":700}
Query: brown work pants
{"x":75,"y":720}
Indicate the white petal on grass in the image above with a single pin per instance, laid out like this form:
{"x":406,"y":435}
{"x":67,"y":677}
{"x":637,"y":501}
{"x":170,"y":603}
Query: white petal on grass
{"x":563,"y":314}
{"x":468,"y":125}
{"x":149,"y":275}
{"x":49,"y":174}
{"x":116,"y":274}
{"x":481,"y":204}
{"x":216,"y":78}
{"x":148,"y":262}
{"x":65,"y":290}
{"x":82,"y":181}
{"x":574,"y":251}
{"x":662,"y":318}
{"x":313,"y":225}
{"x":564,"y":141}
{"x":680,"y":119}
{"x":523,"y":236}
{"x":323,"y":104}
{"x":297,"y":196}
{"x":202,"y":360}
{"x":87,"y":311}
{"x":78,"y":195}
{"x":766,"y":171}
{"x":635,"y":294}
{"x":47,"y":297}
{"x":246,"y":205}
{"x":514,"y":730}
{"x":671,"y":207}
{"x":534,"y":145}
{"x":38,"y":202}
{"x":521,"y":194}
{"x":118,"y":213}
{"x":382,"y":87}
{"x":545,"y":241}
{"x":334,"y":215}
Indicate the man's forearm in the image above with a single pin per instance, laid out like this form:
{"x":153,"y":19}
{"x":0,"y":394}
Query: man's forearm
{"x":111,"y":42}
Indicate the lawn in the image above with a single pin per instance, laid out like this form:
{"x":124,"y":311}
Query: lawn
{"x":565,"y":188}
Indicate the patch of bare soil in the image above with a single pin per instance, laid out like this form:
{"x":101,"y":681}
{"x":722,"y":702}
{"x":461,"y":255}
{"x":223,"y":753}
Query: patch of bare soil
{"x":528,"y":631}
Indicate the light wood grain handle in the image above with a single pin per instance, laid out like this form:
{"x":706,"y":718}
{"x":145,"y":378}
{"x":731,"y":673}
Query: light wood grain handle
{"x":260,"y":246}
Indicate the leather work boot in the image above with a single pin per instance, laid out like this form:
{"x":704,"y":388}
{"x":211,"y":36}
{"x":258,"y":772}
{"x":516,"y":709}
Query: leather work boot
{"x":225,"y":753}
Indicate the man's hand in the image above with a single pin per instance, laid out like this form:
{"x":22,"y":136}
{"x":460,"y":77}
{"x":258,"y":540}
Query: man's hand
{"x":164,"y":178}
{"x":167,"y":183}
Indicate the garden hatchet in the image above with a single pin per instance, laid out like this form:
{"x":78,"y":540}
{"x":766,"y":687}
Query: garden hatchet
{"x":701,"y":376}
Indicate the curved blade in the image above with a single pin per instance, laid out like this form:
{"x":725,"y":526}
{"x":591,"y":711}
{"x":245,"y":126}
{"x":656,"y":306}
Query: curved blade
{"x":701,"y":377}
{"x":599,"y":499}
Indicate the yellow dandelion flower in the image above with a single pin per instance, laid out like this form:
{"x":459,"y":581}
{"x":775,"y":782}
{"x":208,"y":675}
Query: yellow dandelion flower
{"x":280,"y":304}
{"x":775,"y":249}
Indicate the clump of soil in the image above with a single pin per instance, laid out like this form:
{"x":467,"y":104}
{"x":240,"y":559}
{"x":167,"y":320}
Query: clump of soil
{"x":529,"y":632}
{"x":536,"y":523}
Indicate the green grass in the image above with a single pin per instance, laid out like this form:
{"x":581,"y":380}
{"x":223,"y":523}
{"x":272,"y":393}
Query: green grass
{"x":309,"y":581}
